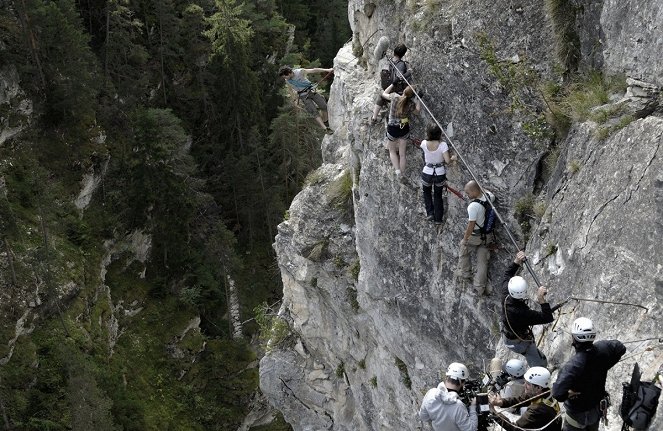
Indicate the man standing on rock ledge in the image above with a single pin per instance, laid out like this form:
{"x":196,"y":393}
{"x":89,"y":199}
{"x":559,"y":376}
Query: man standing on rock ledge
{"x":442,"y":406}
{"x":474,"y":240}
{"x":581,"y":381}
{"x":518,"y":318}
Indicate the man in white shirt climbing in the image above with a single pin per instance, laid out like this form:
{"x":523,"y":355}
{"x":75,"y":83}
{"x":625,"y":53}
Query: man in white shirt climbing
{"x":474,"y":240}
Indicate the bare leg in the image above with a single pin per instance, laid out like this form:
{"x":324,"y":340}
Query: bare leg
{"x":393,"y":155}
{"x":320,"y":122}
{"x":402,"y":144}
{"x":323,"y":114}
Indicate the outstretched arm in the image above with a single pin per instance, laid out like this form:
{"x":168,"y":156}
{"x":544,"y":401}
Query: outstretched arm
{"x":386,"y":94}
{"x":317,"y":70}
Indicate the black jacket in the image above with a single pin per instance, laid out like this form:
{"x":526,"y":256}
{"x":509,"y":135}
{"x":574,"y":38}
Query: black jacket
{"x":517,"y":317}
{"x":586,"y":372}
{"x":537,"y":415}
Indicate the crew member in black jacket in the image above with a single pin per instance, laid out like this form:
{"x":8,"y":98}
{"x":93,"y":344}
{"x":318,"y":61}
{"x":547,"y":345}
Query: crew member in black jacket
{"x":581,"y":381}
{"x":517,"y":317}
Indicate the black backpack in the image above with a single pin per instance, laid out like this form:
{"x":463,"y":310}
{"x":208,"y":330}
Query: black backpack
{"x":390,"y":76}
{"x":639,"y":402}
{"x":490,"y":219}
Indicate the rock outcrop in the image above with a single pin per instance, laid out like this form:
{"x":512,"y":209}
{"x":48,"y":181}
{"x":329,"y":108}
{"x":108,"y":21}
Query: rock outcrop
{"x":369,"y":291}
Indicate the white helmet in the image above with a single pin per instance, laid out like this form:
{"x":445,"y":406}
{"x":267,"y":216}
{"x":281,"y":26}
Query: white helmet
{"x":518,"y":287}
{"x":583,"y":330}
{"x":538,"y":376}
{"x":457,"y":371}
{"x":515,"y":367}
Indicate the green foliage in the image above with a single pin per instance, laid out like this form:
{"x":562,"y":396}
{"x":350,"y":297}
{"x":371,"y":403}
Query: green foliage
{"x":274,"y":330}
{"x":176,"y":101}
{"x":539,"y":209}
{"x":355,"y":269}
{"x":524,"y":205}
{"x":352,"y":298}
{"x":520,"y":81}
{"x":362,"y":364}
{"x":604,"y":132}
{"x":340,"y":370}
{"x":339,"y":192}
{"x":405,"y":375}
{"x":575,"y":101}
{"x":562,"y":15}
{"x":574,"y":166}
{"x":551,"y":248}
{"x":64,"y":63}
{"x":374,"y":381}
{"x":228,"y":29}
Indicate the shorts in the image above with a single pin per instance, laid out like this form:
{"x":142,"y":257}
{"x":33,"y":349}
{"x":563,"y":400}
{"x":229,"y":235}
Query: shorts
{"x":312,"y":102}
{"x":396,"y":132}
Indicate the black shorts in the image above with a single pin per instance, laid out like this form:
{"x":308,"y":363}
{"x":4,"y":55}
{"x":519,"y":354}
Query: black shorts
{"x":398,"y":132}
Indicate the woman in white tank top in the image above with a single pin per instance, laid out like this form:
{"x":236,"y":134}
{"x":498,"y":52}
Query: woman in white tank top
{"x":434,"y":174}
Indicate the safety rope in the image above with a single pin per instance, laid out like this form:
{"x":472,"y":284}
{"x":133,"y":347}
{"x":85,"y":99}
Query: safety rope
{"x":535,"y":397}
{"x":469,"y":169}
{"x":513,"y":425}
{"x":506,"y":316}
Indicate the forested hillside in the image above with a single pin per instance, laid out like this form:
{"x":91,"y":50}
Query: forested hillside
{"x":115,"y":311}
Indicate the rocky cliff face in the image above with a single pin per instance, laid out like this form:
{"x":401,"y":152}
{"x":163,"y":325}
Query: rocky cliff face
{"x":369,"y":291}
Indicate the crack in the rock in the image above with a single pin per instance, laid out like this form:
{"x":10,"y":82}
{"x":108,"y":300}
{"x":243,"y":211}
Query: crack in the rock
{"x":293,"y":394}
{"x":644,"y":172}
{"x":598,"y":213}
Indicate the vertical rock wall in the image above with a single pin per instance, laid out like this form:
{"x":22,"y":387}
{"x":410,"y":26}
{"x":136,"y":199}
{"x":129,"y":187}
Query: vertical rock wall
{"x":369,"y":294}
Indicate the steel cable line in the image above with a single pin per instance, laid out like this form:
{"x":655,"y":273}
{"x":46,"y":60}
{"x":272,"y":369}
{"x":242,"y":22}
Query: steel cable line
{"x":467,"y":166}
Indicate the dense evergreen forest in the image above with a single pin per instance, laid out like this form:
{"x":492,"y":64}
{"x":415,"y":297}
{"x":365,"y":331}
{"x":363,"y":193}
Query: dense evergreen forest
{"x":175,"y":107}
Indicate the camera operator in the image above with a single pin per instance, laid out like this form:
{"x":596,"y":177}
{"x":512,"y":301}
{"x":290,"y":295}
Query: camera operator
{"x":542,"y":411}
{"x":442,"y":406}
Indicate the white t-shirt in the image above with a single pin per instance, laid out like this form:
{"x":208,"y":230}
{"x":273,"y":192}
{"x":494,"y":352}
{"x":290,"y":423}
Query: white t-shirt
{"x":434,"y":158}
{"x":477,"y":213}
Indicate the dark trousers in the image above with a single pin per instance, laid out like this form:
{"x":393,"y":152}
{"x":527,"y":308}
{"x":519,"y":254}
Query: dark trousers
{"x":433,"y":186}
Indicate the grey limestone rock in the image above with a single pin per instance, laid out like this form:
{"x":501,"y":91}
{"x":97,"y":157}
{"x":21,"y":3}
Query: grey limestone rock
{"x":369,"y":292}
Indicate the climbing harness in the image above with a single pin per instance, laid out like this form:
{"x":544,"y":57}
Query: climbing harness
{"x":506,"y":316}
{"x":467,"y":166}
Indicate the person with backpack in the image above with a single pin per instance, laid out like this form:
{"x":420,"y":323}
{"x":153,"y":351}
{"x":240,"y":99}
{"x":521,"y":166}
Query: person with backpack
{"x":542,"y":410}
{"x":389,"y":76}
{"x":398,"y":126}
{"x":305,"y":89}
{"x":442,"y":406}
{"x":581,"y":381}
{"x":518,"y":318}
{"x":434,"y":174}
{"x":476,"y":238}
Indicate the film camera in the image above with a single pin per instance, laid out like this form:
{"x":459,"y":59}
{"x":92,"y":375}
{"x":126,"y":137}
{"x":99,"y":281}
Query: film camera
{"x":478,"y":389}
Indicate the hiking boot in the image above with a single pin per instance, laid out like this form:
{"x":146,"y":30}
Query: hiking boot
{"x":429,"y":217}
{"x":329,"y":131}
{"x":438,"y":223}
